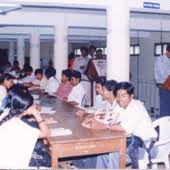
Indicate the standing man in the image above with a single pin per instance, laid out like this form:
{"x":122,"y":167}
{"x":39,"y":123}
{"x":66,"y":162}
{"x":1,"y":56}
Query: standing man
{"x":80,"y":64}
{"x":162,"y":72}
{"x":92,"y":50}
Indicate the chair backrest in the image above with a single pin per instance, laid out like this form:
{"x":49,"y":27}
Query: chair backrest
{"x":164,"y":127}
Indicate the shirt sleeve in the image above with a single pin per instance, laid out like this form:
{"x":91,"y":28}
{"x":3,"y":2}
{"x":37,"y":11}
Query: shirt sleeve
{"x":17,"y":143}
{"x":132,"y":120}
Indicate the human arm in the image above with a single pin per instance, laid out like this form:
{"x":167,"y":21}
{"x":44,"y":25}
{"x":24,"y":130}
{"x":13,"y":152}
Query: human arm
{"x":34,"y":111}
{"x":116,"y":127}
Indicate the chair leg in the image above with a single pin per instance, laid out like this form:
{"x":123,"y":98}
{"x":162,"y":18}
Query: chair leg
{"x":167,"y":166}
{"x":154,"y":166}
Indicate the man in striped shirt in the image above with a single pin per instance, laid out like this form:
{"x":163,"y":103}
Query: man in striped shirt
{"x":65,"y":85}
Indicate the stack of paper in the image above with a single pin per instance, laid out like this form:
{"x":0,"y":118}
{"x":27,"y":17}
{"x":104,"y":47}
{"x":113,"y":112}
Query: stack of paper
{"x":47,"y":110}
{"x":60,"y":132}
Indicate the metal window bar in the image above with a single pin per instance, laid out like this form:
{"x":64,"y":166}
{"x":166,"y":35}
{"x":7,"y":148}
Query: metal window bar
{"x":147,"y":92}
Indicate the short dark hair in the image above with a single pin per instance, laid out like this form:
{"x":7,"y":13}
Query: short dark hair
{"x":6,"y":76}
{"x":76,"y":74}
{"x":99,"y":50}
{"x":38,"y":71}
{"x":100,"y":80}
{"x":28,"y":69}
{"x":168,"y":47}
{"x":84,"y":48}
{"x":125,"y":86}
{"x":50,"y":72}
{"x":67,"y":73}
{"x":92,"y":47}
{"x":110,"y":85}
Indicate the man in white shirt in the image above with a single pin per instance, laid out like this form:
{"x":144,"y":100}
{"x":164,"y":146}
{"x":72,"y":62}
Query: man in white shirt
{"x":80,"y":64}
{"x":133,"y":119}
{"x":92,"y":50}
{"x":29,"y":77}
{"x":52,"y":82}
{"x":40,"y":81}
{"x":77,"y":94}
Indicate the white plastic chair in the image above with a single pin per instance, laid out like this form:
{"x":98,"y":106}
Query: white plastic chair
{"x":163,"y":144}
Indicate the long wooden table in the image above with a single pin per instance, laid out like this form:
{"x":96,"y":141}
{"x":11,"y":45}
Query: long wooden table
{"x":83,"y":141}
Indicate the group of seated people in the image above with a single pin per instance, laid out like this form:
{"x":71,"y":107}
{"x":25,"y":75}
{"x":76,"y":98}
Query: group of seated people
{"x":115,"y":109}
{"x":118,"y":111}
{"x":70,"y":89}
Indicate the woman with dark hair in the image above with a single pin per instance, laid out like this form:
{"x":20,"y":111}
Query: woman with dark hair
{"x":6,"y":82}
{"x":52,"y":82}
{"x":18,"y":138}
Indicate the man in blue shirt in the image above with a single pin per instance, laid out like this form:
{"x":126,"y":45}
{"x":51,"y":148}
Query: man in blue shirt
{"x":162,"y":72}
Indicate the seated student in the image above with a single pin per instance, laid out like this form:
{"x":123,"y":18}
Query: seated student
{"x":15,"y":69}
{"x":91,"y":121}
{"x":65,"y":85}
{"x":29,"y":77}
{"x":52,"y":82}
{"x":18,"y":139}
{"x":99,"y":101}
{"x":100,"y":81}
{"x":133,"y":119}
{"x":77,"y":93}
{"x":6,"y":82}
{"x":40,"y":80}
{"x":108,"y":105}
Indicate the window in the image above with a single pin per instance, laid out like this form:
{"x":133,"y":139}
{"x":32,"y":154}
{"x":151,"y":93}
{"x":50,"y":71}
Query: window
{"x":160,"y":48}
{"x":77,"y":51}
{"x":134,"y":50}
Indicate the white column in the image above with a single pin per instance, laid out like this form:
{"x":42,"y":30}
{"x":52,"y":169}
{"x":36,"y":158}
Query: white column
{"x":118,"y":40}
{"x":35,"y":50}
{"x":60,"y":48}
{"x":20,"y":51}
{"x":11,"y":51}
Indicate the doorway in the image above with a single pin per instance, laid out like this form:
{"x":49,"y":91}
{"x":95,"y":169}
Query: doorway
{"x":3,"y":57}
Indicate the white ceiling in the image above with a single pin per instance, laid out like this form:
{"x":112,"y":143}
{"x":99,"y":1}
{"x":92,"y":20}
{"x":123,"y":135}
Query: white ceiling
{"x":86,"y":19}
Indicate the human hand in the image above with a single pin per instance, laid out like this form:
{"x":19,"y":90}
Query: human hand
{"x":80,"y":113}
{"x":97,"y":125}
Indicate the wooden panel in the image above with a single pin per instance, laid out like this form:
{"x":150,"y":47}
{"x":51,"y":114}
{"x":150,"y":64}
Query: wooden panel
{"x":84,"y":148}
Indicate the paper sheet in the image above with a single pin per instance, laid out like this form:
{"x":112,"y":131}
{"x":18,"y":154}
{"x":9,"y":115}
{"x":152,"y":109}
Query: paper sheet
{"x":47,"y":110}
{"x":60,"y":132}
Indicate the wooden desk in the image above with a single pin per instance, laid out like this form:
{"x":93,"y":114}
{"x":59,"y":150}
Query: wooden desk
{"x":83,"y":141}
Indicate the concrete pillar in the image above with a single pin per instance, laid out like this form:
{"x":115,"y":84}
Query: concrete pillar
{"x":11,"y":50}
{"x":35,"y":50}
{"x":118,"y":40}
{"x":60,"y":48}
{"x":20,"y":51}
